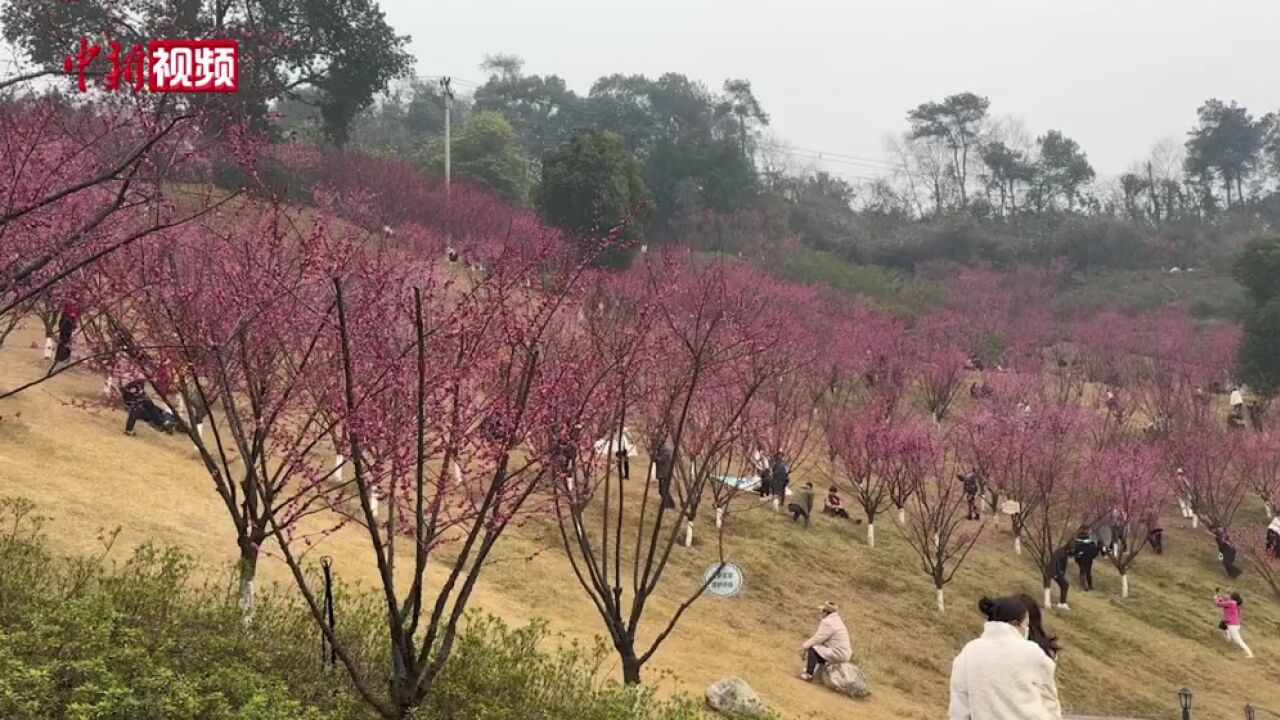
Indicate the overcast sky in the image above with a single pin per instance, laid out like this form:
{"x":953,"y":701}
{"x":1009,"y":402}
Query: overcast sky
{"x":837,"y":75}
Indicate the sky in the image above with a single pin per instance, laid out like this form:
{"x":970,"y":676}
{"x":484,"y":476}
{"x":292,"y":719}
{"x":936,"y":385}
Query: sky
{"x":839,"y":76}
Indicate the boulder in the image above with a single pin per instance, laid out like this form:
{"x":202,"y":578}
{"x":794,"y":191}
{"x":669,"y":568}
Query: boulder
{"x":846,"y":679}
{"x":734,"y":697}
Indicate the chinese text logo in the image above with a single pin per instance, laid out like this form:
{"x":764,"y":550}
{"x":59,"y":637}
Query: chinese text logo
{"x":186,"y":66}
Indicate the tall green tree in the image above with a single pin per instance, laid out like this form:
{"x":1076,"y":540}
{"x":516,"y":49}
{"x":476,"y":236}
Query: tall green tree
{"x":591,"y":185}
{"x":1007,"y":169}
{"x":543,"y":110}
{"x":741,"y":104}
{"x":1257,"y":268}
{"x":337,"y":54}
{"x":486,"y":152}
{"x":1062,"y":170}
{"x":1224,"y":146}
{"x":957,"y":122}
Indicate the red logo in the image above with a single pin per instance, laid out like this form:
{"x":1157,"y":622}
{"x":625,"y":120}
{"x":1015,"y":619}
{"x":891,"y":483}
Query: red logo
{"x":184,"y":66}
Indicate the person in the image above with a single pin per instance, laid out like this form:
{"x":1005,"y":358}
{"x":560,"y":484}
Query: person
{"x":1183,"y":492}
{"x":1231,"y":619}
{"x":140,"y":407}
{"x":761,"y":465}
{"x":830,"y":644}
{"x":1000,"y":675}
{"x":1236,"y":417}
{"x":801,"y":506}
{"x":833,"y":505}
{"x":1059,"y":568}
{"x":1273,"y":538}
{"x":1086,"y":551}
{"x":780,"y":476}
{"x":1156,"y":538}
{"x":1036,"y":632}
{"x":1227,"y":552}
{"x":70,"y":317}
{"x":663,"y":467}
{"x":971,"y":487}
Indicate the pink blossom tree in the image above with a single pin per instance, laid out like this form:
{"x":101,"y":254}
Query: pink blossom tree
{"x":685,"y":353}
{"x":936,"y":529}
{"x":1259,"y":465}
{"x":1131,"y":494}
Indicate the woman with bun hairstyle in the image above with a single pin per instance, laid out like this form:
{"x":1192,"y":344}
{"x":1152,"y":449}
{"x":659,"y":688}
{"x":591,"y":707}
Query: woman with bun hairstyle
{"x":1000,"y":675}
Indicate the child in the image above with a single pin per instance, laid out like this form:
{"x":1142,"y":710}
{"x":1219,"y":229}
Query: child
{"x":833,"y":505}
{"x":1231,"y":619}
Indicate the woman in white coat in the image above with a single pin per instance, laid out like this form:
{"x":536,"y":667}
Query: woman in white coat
{"x":1002,"y":675}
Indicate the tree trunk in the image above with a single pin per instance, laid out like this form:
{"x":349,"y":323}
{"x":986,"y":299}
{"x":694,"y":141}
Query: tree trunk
{"x":1195,"y":520}
{"x":248,"y":579}
{"x":48,"y":348}
{"x":871,"y":534}
{"x":688,"y":533}
{"x":942,"y":603}
{"x":1017,"y":546}
{"x":630,"y":667}
{"x":1124,"y":585}
{"x":719,"y":518}
{"x":902,"y":516}
{"x":337,"y":468}
{"x":1048,"y":596}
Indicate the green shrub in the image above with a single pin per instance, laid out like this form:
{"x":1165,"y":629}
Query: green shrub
{"x":92,"y":639}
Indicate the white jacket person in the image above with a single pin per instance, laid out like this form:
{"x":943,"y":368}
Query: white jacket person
{"x":1003,"y":676}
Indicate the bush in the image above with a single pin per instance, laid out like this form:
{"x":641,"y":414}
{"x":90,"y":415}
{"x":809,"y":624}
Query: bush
{"x":93,"y":639}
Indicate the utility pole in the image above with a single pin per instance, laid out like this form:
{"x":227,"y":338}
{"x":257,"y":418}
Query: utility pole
{"x":448,"y":111}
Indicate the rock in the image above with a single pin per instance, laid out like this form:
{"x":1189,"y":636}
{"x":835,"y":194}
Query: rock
{"x":846,"y":679}
{"x":734,"y":697}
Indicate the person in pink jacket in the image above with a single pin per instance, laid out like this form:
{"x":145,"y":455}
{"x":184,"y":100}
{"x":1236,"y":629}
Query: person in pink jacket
{"x":830,"y":644}
{"x":1231,"y":619}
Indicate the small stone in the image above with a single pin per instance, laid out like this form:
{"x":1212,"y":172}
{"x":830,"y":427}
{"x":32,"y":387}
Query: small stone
{"x":733,"y":696}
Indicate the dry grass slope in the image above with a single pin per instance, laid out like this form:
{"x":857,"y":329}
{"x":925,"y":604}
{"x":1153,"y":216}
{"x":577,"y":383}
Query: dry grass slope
{"x":1122,"y":657}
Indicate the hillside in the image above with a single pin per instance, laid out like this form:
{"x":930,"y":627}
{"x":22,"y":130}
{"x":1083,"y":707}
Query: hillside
{"x":62,"y":449}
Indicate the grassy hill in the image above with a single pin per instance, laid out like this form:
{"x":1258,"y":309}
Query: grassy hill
{"x":60,"y":447}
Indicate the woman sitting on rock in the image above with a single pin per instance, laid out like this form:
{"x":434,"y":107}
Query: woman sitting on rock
{"x":830,"y":644}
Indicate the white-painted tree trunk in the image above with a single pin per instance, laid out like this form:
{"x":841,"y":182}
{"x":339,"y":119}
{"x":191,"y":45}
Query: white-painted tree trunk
{"x":48,"y":348}
{"x":937,"y":540}
{"x":109,"y":386}
{"x":688,"y":534}
{"x":776,"y":504}
{"x":337,"y":467}
{"x":1017,"y":546}
{"x":719,"y":518}
{"x":871,"y":534}
{"x":247,"y":589}
{"x":373,"y":503}
{"x":200,"y":431}
{"x":1124,"y":585}
{"x":181,"y":408}
{"x":1195,"y":520}
{"x":1271,"y":511}
{"x":942,"y":603}
{"x":1048,"y":598}
{"x":569,"y":481}
{"x":902,"y":516}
